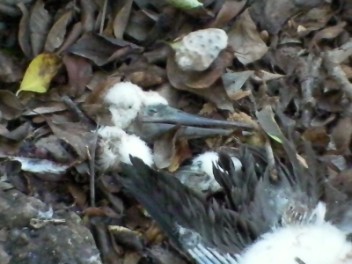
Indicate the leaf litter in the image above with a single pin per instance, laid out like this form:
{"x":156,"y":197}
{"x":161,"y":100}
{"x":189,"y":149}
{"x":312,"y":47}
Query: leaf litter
{"x":284,"y":68}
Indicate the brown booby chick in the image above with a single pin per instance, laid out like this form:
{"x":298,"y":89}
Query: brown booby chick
{"x":271,"y":215}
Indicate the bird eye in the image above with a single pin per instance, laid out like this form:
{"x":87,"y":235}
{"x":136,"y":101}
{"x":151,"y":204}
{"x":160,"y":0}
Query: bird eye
{"x":349,"y":237}
{"x":152,"y":111}
{"x":130,"y":106}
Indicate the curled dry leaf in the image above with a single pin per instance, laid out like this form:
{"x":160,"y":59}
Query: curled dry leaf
{"x":245,"y":39}
{"x":166,"y":156}
{"x":40,"y":72}
{"x":329,"y":32}
{"x":198,"y":80}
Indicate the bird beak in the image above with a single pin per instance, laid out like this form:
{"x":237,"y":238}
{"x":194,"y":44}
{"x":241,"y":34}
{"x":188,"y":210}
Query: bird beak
{"x":168,"y":115}
{"x":155,"y":120}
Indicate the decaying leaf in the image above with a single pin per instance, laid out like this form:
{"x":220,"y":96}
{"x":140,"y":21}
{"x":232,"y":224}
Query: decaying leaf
{"x":198,"y":80}
{"x":121,"y":19}
{"x":10,"y":71}
{"x":170,"y":150}
{"x":23,"y":31}
{"x":100,"y":49}
{"x":10,"y":105}
{"x":74,"y":134}
{"x":267,"y":122}
{"x":329,"y":33}
{"x":246,"y":41}
{"x":228,"y":11}
{"x":40,"y":72}
{"x":79,"y":71}
{"x":39,"y":24}
{"x":57,"y":32}
{"x":233,"y":83}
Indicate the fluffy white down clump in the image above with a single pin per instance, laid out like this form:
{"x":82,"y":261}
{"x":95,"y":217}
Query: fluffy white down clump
{"x":199,"y":49}
{"x":315,"y":242}
{"x":125,"y":100}
{"x":116,"y":146}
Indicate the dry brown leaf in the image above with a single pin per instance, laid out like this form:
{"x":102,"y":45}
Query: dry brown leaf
{"x":182,"y":153}
{"x":246,"y":41}
{"x":57,"y":33}
{"x":74,"y":134}
{"x":229,"y":10}
{"x":342,"y":134}
{"x":100,"y":49}
{"x":23,"y":31}
{"x":39,"y":24}
{"x":10,"y":106}
{"x":46,"y":108}
{"x":198,"y":80}
{"x":233,"y":83}
{"x":121,"y":19}
{"x":165,"y":148}
{"x":10,"y":70}
{"x":79,"y":71}
{"x":317,"y":136}
{"x":329,"y":33}
{"x":88,"y":16}
{"x":221,"y":100}
{"x":139,"y":26}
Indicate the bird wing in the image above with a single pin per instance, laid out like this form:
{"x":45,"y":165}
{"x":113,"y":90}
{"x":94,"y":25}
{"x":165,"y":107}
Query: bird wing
{"x":207,"y":231}
{"x":271,"y":193}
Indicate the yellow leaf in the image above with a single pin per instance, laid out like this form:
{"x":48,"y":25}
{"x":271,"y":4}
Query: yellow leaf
{"x":40,"y":72}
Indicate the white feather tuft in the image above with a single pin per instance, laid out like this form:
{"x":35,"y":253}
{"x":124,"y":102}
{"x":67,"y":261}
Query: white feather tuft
{"x":316,"y":242}
{"x":116,"y":146}
{"x":124,"y":100}
{"x":153,"y":98}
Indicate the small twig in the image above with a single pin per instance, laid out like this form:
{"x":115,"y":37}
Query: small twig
{"x":91,"y":157}
{"x":75,"y":109}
